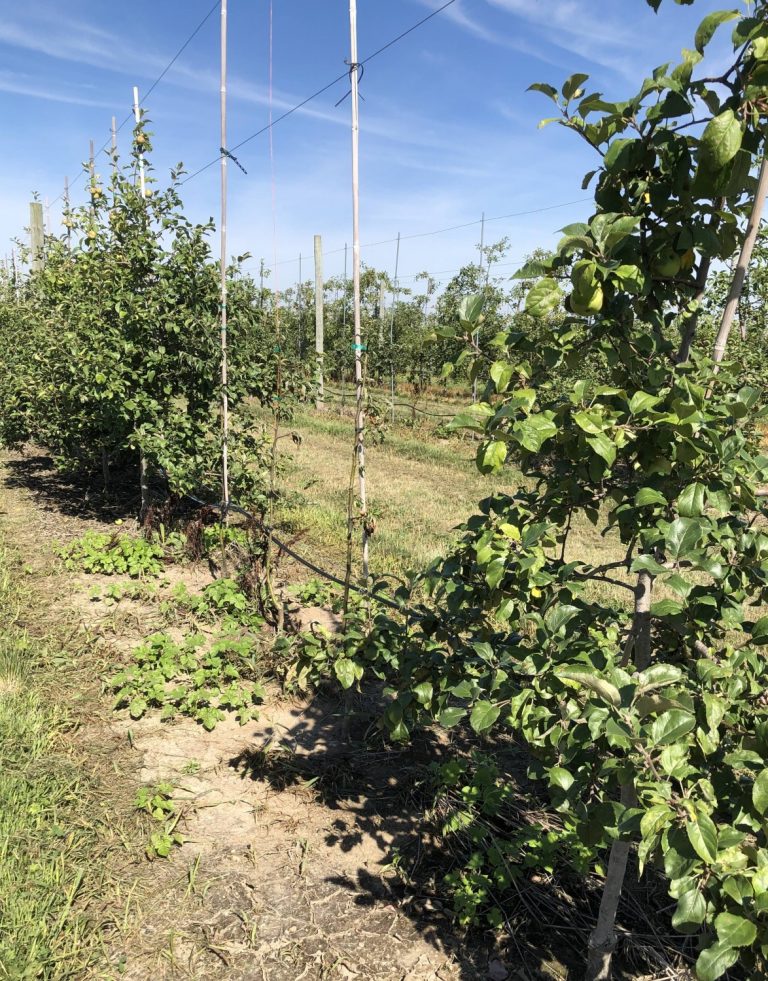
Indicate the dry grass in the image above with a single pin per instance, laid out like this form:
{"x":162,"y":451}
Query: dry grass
{"x":421,"y":487}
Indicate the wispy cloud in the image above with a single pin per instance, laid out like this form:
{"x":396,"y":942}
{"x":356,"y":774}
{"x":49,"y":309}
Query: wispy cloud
{"x":18,"y":85}
{"x":392,"y":123}
{"x":554,"y":29}
{"x":571,"y":22}
{"x":44,"y":32}
{"x":472,"y":25}
{"x":82,"y":43}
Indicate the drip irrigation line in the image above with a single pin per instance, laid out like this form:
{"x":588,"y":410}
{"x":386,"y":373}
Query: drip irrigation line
{"x":321,"y":91}
{"x":152,"y":87}
{"x":307,"y":563}
{"x":318,"y":570}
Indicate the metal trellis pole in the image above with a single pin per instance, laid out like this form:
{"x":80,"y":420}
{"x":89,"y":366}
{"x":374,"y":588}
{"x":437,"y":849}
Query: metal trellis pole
{"x":223,"y":270}
{"x":354,"y":70}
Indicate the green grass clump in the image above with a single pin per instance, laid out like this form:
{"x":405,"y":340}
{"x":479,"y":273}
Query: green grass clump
{"x":45,"y":835}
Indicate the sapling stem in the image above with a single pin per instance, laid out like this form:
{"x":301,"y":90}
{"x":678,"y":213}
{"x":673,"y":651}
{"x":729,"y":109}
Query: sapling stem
{"x":602,"y":941}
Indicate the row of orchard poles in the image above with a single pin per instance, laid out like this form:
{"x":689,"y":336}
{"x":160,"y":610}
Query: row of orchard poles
{"x":37,"y":249}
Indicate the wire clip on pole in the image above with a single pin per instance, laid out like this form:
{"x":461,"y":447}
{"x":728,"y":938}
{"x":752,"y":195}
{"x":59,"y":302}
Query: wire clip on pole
{"x":225,"y":153}
{"x":353,"y":66}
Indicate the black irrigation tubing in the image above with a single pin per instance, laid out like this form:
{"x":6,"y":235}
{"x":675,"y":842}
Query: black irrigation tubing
{"x":318,"y":570}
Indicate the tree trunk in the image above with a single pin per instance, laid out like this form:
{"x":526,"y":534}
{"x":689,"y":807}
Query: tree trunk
{"x":144,"y":482}
{"x":602,"y":940}
{"x":105,"y":468}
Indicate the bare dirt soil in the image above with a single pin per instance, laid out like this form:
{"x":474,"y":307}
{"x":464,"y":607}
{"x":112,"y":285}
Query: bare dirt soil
{"x":290,"y":827}
{"x":296,"y":826}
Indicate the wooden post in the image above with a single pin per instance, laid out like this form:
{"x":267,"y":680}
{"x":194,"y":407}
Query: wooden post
{"x":319,"y":326}
{"x":382,"y":298}
{"x":137,"y":120}
{"x":354,"y":74}
{"x":223,"y":270}
{"x":36,"y":237}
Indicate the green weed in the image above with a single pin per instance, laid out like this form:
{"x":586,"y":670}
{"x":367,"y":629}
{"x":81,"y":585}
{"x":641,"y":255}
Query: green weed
{"x":191,"y":678}
{"x":158,"y":802}
{"x":223,"y":599}
{"x":111,"y":554}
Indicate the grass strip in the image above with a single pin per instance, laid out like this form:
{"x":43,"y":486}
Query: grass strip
{"x":46,"y":838}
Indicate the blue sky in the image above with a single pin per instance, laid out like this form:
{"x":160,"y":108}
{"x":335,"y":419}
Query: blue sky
{"x":448,"y":130}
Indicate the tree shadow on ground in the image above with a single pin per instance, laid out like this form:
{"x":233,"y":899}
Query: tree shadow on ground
{"x":77,"y":495}
{"x":384,"y":799}
{"x":380,"y":795}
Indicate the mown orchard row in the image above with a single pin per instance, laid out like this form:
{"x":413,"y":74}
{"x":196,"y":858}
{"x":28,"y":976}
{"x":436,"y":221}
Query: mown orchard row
{"x":607,"y":376}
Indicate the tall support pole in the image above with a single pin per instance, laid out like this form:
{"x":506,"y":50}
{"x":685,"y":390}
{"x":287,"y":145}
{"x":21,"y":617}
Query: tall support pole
{"x":91,"y":169}
{"x":392,"y":331}
{"x":137,"y":120}
{"x":354,"y":70}
{"x":261,"y":285}
{"x":143,"y":465}
{"x":319,"y":325}
{"x":223,"y":270}
{"x":742,"y":266}
{"x":114,"y":143}
{"x":344,"y":328}
{"x":36,"y":237}
{"x":68,"y":224}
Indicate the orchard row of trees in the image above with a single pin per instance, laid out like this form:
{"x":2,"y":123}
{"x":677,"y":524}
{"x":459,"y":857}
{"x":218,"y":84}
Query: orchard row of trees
{"x":643,"y":706}
{"x":112,"y":348}
{"x":603,"y":378}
